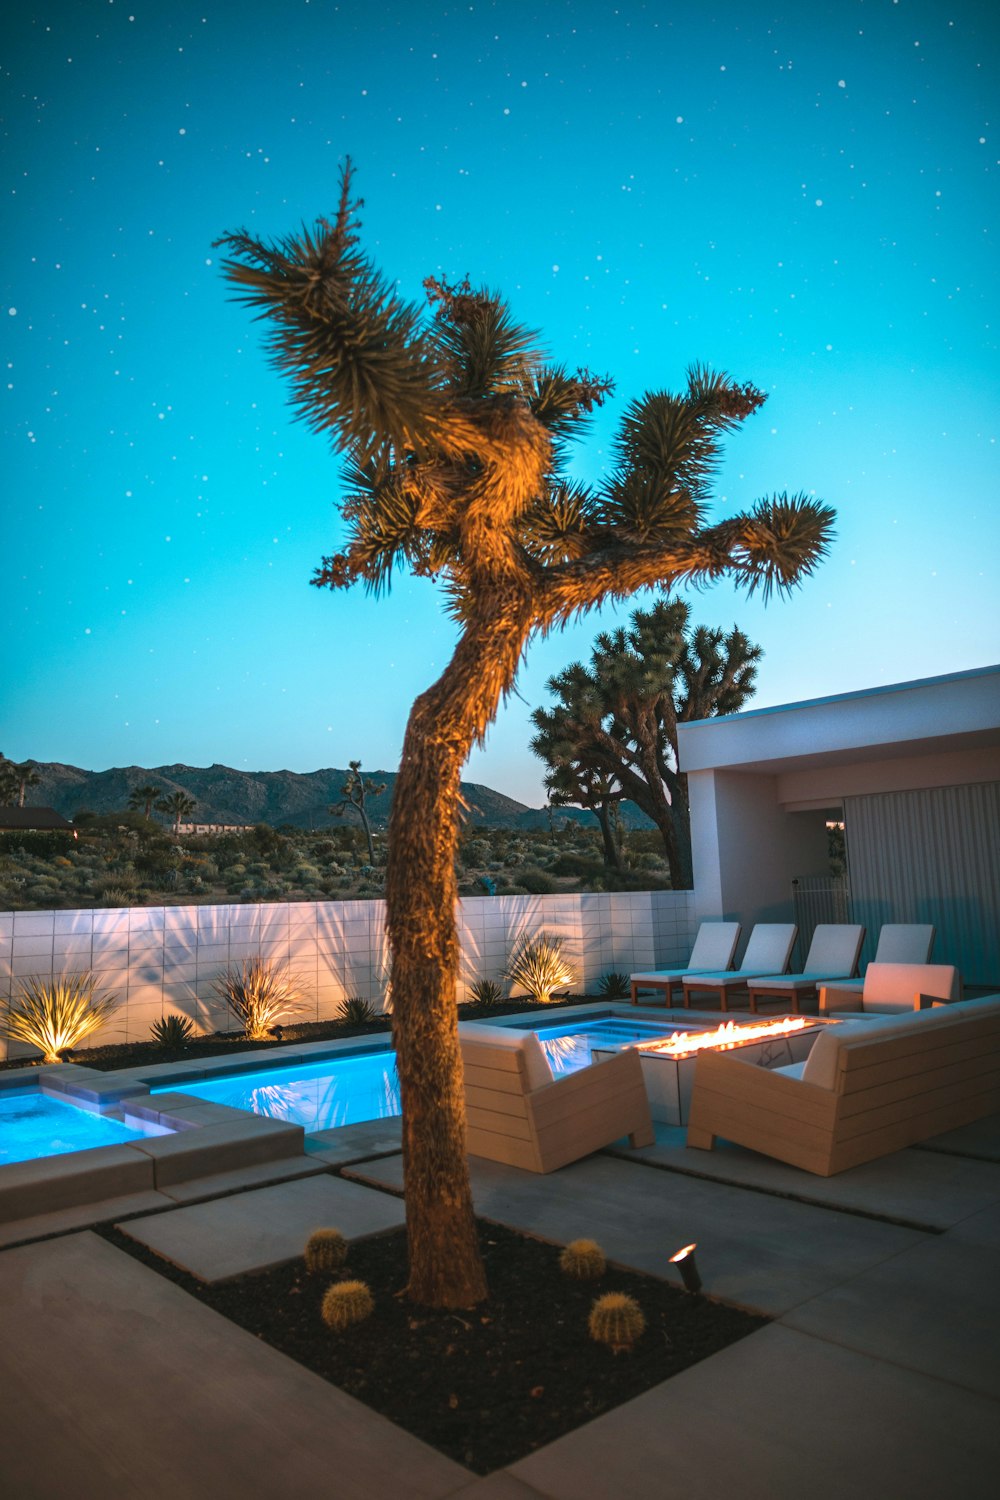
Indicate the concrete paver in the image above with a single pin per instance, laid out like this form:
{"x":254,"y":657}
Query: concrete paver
{"x":64,"y":1220}
{"x":921,"y":1188}
{"x":284,"y":1169}
{"x":761,"y":1252}
{"x":257,"y":1230}
{"x":945,"y":1279}
{"x":353,"y":1143}
{"x":980,"y":1139}
{"x":780,"y":1416}
{"x":116,"y":1382}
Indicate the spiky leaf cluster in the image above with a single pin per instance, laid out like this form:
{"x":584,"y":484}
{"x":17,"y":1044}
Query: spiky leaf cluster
{"x":455,"y":426}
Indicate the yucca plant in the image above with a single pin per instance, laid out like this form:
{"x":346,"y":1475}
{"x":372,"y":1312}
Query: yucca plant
{"x":56,"y":1014}
{"x":258,"y":996}
{"x":614,"y":986}
{"x":485,"y":992}
{"x":172,"y":1032}
{"x":357,"y":1011}
{"x":538,"y":966}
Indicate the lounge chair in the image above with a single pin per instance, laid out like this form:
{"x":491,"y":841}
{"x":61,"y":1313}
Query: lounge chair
{"x":768,"y":952}
{"x":866,"y":1088}
{"x":890,"y":988}
{"x":713,"y":950}
{"x":517,"y":1113}
{"x":833,"y":954}
{"x":900,"y":943}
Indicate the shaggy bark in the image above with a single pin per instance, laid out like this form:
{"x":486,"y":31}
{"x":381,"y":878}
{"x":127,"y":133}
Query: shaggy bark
{"x":421,"y":894}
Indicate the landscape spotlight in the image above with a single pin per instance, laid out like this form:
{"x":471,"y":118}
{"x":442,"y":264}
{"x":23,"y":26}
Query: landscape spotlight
{"x":687,"y":1265}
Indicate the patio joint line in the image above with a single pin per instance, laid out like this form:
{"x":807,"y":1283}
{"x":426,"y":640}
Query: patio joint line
{"x":788,"y":1197}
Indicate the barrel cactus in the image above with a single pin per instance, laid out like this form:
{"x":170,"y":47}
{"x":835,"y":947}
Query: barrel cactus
{"x":325,"y":1252}
{"x":616,"y":1320}
{"x":583,"y":1259}
{"x":346,"y":1302}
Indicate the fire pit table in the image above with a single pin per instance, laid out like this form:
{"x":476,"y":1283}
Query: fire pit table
{"x":668,"y":1065}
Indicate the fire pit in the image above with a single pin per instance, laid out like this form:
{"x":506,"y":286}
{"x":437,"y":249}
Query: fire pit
{"x":668,"y":1064}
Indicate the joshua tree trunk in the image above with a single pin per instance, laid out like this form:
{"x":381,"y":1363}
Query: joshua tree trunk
{"x":421,"y":894}
{"x":612,"y":853}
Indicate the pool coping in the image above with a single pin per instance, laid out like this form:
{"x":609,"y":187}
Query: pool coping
{"x":204,"y":1139}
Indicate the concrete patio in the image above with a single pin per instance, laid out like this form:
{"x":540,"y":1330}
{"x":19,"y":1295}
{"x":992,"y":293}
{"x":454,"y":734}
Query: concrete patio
{"x":879,"y":1376}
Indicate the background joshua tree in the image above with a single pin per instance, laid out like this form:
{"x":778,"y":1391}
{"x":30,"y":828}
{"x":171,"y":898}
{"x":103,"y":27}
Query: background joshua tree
{"x":454,"y":429}
{"x":355,"y":790}
{"x":178,"y":807}
{"x":618,"y":720}
{"x":144,"y":797}
{"x":573,"y":780}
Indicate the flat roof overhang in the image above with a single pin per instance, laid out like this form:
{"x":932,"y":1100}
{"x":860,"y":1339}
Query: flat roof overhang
{"x":960,"y":711}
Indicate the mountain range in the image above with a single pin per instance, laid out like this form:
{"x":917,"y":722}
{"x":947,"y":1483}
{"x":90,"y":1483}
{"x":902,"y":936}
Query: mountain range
{"x":300,"y":799}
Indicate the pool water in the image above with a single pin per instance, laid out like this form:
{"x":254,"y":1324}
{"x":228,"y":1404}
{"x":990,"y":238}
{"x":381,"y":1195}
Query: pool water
{"x":351,"y":1089}
{"x":34,"y":1124}
{"x":317,"y":1096}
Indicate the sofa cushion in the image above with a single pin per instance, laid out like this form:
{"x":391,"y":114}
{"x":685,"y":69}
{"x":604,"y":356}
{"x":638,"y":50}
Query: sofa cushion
{"x":821,"y":1064}
{"x":512,"y":1039}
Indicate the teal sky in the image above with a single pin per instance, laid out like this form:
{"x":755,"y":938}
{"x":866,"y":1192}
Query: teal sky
{"x":803,"y":195}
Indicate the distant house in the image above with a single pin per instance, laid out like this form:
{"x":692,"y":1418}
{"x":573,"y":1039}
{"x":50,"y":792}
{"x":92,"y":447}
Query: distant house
{"x":34,"y":820}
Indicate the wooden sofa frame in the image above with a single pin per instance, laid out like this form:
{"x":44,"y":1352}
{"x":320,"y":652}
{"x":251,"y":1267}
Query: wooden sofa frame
{"x":889,"y":1092}
{"x":544,"y":1128}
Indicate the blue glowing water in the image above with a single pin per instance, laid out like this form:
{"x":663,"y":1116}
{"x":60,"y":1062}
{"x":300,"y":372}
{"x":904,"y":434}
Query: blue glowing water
{"x":33,"y":1124}
{"x":365,"y":1086}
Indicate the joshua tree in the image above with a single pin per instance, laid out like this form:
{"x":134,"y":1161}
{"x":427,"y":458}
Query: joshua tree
{"x":178,"y":807}
{"x":572,"y":779}
{"x":144,"y":797}
{"x":454,"y":427}
{"x":354,"y":793}
{"x":619,"y":718}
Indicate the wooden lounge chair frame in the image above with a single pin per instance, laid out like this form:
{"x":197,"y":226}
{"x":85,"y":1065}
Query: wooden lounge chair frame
{"x":541,"y":1129}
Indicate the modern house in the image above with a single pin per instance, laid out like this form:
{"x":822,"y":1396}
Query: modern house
{"x":913,"y":773}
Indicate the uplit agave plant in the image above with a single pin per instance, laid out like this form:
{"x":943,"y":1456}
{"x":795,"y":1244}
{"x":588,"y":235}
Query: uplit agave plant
{"x":614,"y":986}
{"x":56,"y":1014}
{"x":258,"y":996}
{"x":539,"y":966}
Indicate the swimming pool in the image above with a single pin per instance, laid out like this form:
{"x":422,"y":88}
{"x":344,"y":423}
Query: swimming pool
{"x":352,"y":1088}
{"x":33,"y":1124}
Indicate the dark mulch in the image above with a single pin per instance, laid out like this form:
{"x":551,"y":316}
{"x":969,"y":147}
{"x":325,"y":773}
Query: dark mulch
{"x":225,"y":1044}
{"x":484,"y":1387}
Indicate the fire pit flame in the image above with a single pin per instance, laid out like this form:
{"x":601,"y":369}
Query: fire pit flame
{"x":730,"y":1034}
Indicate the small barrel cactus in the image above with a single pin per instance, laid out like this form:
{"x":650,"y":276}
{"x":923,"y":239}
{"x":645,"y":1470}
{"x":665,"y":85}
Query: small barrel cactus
{"x":617,"y":1320}
{"x":325,"y":1252}
{"x":583,"y":1259}
{"x":346,"y":1302}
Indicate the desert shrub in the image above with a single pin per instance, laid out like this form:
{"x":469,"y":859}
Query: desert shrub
{"x":55,"y":1014}
{"x":117,"y":895}
{"x":536,"y":882}
{"x":258,"y":995}
{"x":538,"y":966}
{"x":172,"y":1032}
{"x":485,"y":992}
{"x":357,"y":1011}
{"x":576,"y":866}
{"x":614,"y":986}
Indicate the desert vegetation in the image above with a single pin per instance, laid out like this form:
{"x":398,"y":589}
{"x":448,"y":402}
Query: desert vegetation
{"x":126,"y":860}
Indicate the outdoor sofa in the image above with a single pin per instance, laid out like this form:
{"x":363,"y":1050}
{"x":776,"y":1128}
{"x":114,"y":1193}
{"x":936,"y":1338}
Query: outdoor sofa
{"x":868,"y":1087}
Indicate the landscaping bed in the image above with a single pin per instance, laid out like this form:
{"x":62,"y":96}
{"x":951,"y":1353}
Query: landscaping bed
{"x":487,"y":1386}
{"x":225,"y":1044}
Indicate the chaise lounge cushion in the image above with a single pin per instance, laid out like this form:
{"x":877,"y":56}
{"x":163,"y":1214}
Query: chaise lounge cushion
{"x":537,"y":1070}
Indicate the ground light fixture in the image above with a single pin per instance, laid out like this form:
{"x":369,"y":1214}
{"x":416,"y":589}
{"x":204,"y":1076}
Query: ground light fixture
{"x":687,"y":1265}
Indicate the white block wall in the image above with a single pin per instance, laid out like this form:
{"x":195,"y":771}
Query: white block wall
{"x":160,"y":960}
